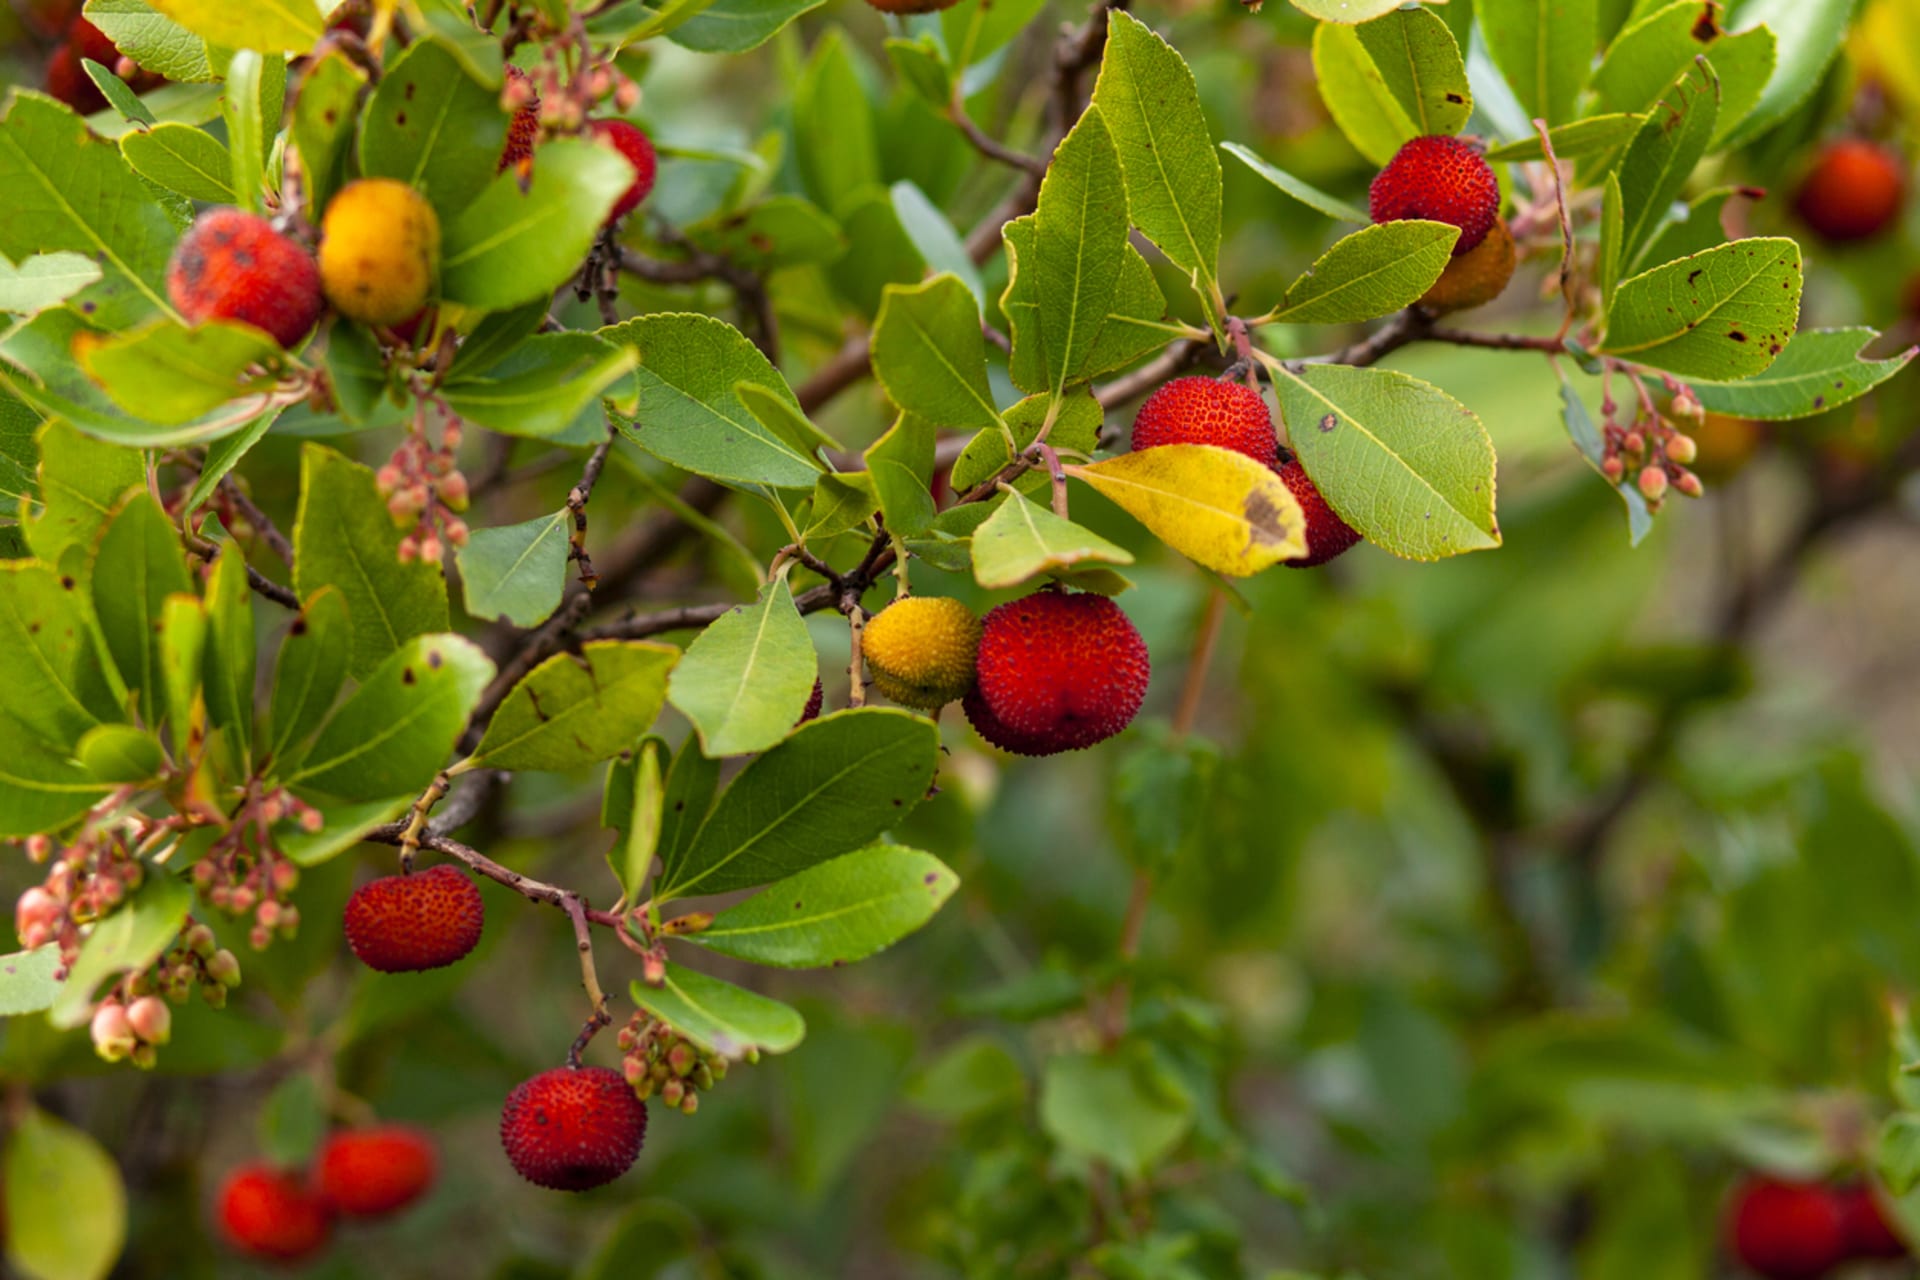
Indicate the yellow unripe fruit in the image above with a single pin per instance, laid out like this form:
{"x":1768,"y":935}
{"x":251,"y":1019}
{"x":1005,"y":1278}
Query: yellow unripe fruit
{"x":379,"y":251}
{"x":921,"y":651}
{"x":1477,"y":276}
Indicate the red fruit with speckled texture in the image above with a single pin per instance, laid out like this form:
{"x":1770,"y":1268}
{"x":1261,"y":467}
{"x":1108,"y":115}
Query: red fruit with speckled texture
{"x":232,"y":265}
{"x":90,"y":41}
{"x":1786,"y":1230}
{"x":634,"y":144}
{"x":815,"y":701}
{"x":1853,"y":191}
{"x":1327,"y":534}
{"x":369,"y":1172}
{"x":1230,"y":415}
{"x":1056,"y":673}
{"x":271,"y":1214}
{"x":573,"y":1128}
{"x":68,"y":81}
{"x":1868,"y":1233}
{"x":403,"y":924}
{"x":1438,"y":179}
{"x":524,"y":128}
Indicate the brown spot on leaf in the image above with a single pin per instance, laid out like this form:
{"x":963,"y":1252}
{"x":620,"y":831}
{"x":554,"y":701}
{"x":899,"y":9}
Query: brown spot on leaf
{"x":1329,"y":422}
{"x":1737,"y":336}
{"x":407,"y":676}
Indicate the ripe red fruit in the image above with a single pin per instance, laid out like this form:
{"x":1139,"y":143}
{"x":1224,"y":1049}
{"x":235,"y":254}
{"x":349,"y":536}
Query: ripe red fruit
{"x":368,"y":1172}
{"x":573,"y":1128}
{"x":1868,"y":1233}
{"x":1787,"y":1230}
{"x":1327,"y":534}
{"x":271,"y":1214}
{"x":1853,"y":191}
{"x":1438,"y":179}
{"x":90,"y":41}
{"x":1056,"y":673}
{"x":232,"y":265}
{"x":1231,"y":415}
{"x":634,"y":144}
{"x":403,"y":924}
{"x":524,"y":127}
{"x":68,"y":81}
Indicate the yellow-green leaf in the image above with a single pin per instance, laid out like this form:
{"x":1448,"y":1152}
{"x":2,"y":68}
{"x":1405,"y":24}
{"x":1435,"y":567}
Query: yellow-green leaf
{"x":1218,"y":508}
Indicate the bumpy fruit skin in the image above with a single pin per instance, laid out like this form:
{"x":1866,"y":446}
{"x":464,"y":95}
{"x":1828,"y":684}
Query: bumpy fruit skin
{"x":1230,"y":415}
{"x":1476,"y":277}
{"x":815,"y":700}
{"x":271,"y":1214}
{"x":1438,"y":179}
{"x":631,"y":142}
{"x":365,"y":1173}
{"x":573,"y":1128}
{"x":1853,"y":191}
{"x":921,"y":651}
{"x":1787,"y":1230}
{"x":1868,"y":1233}
{"x":379,"y":251}
{"x":1327,"y":534}
{"x":1057,"y":673}
{"x":405,"y":924}
{"x":524,"y":128}
{"x":232,"y":265}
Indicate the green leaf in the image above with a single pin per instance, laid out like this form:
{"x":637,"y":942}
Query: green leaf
{"x":735,"y":26}
{"x":1662,"y":155}
{"x":1745,"y":63}
{"x":841,"y":501}
{"x":1612,"y":233}
{"x":311,"y":669}
{"x":120,"y":753}
{"x":183,"y":649}
{"x":55,"y":683}
{"x":184,"y":159}
{"x":435,"y":127}
{"x":141,"y":563}
{"x":346,"y":826}
{"x":509,"y":246}
{"x":887,"y":254}
{"x":933,"y":235}
{"x":1113,"y":1110}
{"x":44,"y":280}
{"x":517,"y":571}
{"x":1076,"y":427}
{"x":1373,"y":272}
{"x":1586,"y":437}
{"x":231,"y":654}
{"x":1080,"y":299}
{"x":1699,"y":229}
{"x":1653,"y":51}
{"x":66,"y":1206}
{"x":975,"y":1076}
{"x":718,"y":1016}
{"x":168,"y":373}
{"x":125,"y":942}
{"x":1022,"y":539}
{"x":41,"y":788}
{"x":1218,"y":508}
{"x":1544,"y":48}
{"x":843,"y":910}
{"x":901,"y":464}
{"x":292,"y":1120}
{"x":835,"y":149}
{"x":1807,"y":35}
{"x":1147,"y":97}
{"x":67,"y":189}
{"x":929,"y":355}
{"x":1896,"y":1152}
{"x":1821,"y":369}
{"x":1306,"y":193}
{"x":975,"y":30}
{"x":1356,"y":94}
{"x":832,"y":786}
{"x":1160,"y":796}
{"x":156,"y":42}
{"x":778,"y":414}
{"x":357,"y":370}
{"x":254,"y":98}
{"x":1573,"y":140}
{"x":27,"y":984}
{"x":691,"y":784}
{"x":547,"y":385}
{"x":1401,"y":461}
{"x":1725,"y":313}
{"x":270,"y":26}
{"x":394,"y":732}
{"x":1420,"y":62}
{"x":575,"y":710}
{"x":343,"y":537}
{"x":634,"y":805}
{"x":1347,"y":11}
{"x":746,"y":679}
{"x":324,"y":115}
{"x":779,"y":231}
{"x":689,"y":414}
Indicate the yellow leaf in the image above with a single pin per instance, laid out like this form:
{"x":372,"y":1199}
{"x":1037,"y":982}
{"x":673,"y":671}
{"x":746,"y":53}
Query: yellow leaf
{"x":1218,"y":508}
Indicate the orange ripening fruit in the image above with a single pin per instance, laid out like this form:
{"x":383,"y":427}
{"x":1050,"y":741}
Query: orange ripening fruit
{"x":270,"y":1214}
{"x":573,"y":1128}
{"x":379,"y":251}
{"x":1327,"y":534}
{"x":232,"y":265}
{"x":1436,"y":178}
{"x":1230,"y":415}
{"x":1853,"y":191}
{"x":632,"y":142}
{"x":1057,"y":672}
{"x":408,"y":923}
{"x":1476,"y":277}
{"x":368,"y":1172}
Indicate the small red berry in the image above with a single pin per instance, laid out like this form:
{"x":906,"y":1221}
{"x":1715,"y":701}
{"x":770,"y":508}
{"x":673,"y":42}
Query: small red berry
{"x":631,"y":142}
{"x":1438,"y":179}
{"x":1869,"y":1234}
{"x":403,"y":924}
{"x":271,"y":1214}
{"x":368,"y":1172}
{"x":1230,"y":415}
{"x":1327,"y":534}
{"x":1853,"y":191}
{"x":69,"y":82}
{"x":1057,"y":673}
{"x":1787,"y":1230}
{"x":232,"y":265}
{"x":573,"y":1128}
{"x":524,"y":128}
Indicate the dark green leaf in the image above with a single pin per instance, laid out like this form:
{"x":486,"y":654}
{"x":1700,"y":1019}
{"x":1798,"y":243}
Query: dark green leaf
{"x":394,"y":732}
{"x":435,"y":127}
{"x":1821,"y":369}
{"x":312,"y":667}
{"x":574,"y":710}
{"x":510,"y":246}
